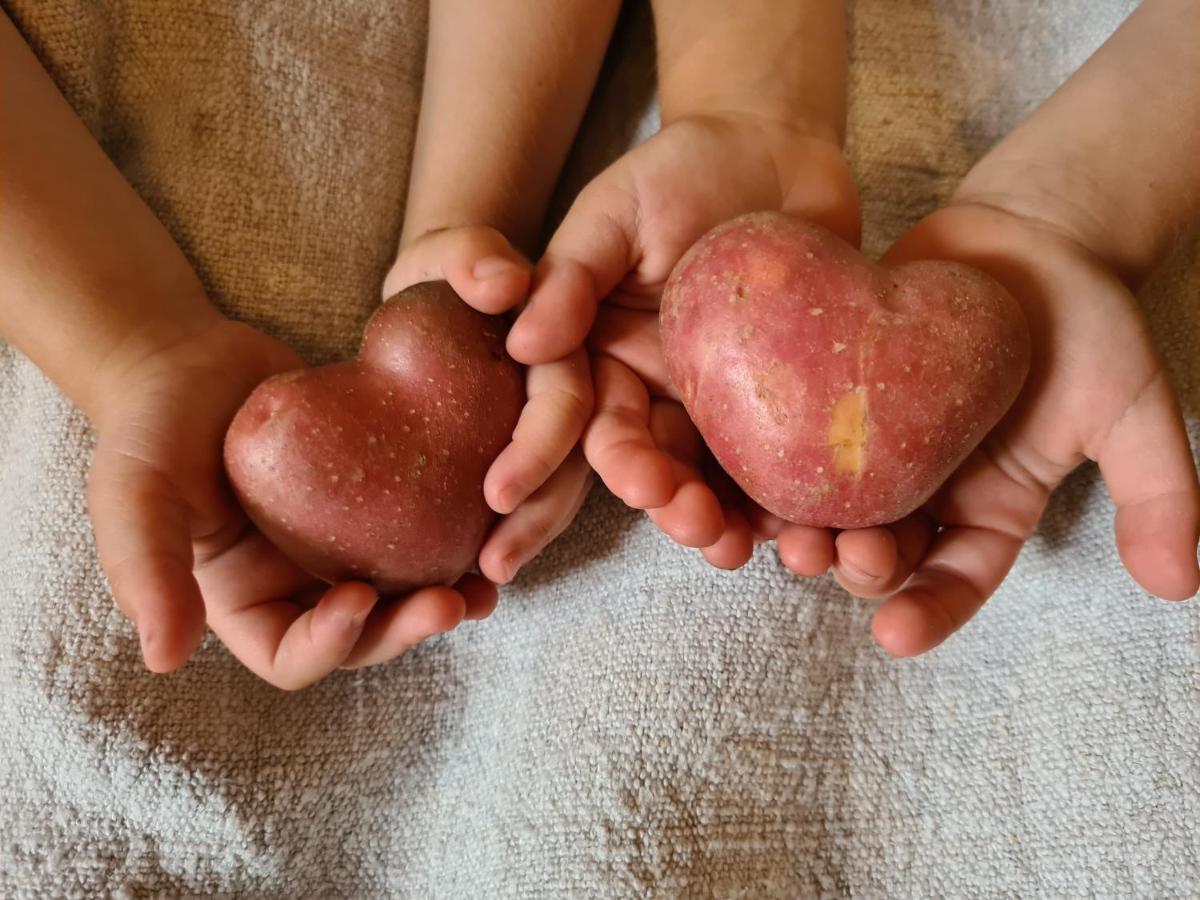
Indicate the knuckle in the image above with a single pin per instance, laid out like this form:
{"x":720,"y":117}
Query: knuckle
{"x":541,"y":530}
{"x":572,"y":410}
{"x":566,"y":407}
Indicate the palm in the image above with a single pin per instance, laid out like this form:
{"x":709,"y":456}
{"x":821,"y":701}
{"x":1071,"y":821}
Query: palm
{"x":162,"y":454}
{"x":176,"y":545}
{"x":176,"y":427}
{"x":1096,"y":390}
{"x":666,"y":193}
{"x":627,"y":230}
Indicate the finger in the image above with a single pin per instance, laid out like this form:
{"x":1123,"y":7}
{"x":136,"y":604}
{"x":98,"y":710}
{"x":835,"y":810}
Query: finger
{"x":558,"y":407}
{"x":396,"y":626}
{"x":987,"y":510}
{"x":873,"y":562}
{"x":143,"y":538}
{"x":632,"y":337}
{"x":480,"y":596}
{"x":1147,"y":464}
{"x":735,"y":546}
{"x":805,"y":550}
{"x":863,"y":556}
{"x":694,"y":516}
{"x":618,"y":443}
{"x":524,"y":533}
{"x":964,"y":566}
{"x":588,"y":256}
{"x":766,"y":526}
{"x":275,"y":619}
{"x":676,"y":435}
{"x":478,"y":262}
{"x":291,"y":647}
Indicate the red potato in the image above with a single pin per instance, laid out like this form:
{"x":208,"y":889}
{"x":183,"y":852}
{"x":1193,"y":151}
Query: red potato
{"x":837,"y":392}
{"x":373,"y":469}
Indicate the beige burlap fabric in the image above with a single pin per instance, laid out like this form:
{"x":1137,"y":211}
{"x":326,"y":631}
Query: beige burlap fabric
{"x":630,"y":723}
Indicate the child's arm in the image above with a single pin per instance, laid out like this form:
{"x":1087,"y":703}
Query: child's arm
{"x":90,"y":285}
{"x":1090,"y":192}
{"x":90,"y":282}
{"x":94,"y":291}
{"x":784,"y":63}
{"x":1113,"y":157}
{"x":753,"y":112}
{"x":768,"y":72}
{"x":506,"y":85}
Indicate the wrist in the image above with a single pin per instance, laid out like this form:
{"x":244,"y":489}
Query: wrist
{"x":1063,"y":198}
{"x":811,"y":171}
{"x":516,"y":234}
{"x":492,"y":204}
{"x":783,"y":62}
{"x":779,"y":122}
{"x":104,"y":382}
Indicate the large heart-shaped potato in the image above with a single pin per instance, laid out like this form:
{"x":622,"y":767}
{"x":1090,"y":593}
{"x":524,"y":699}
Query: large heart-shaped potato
{"x":836,"y":391}
{"x":373,"y":469}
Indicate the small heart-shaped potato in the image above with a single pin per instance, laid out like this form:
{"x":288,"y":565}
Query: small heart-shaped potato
{"x":837,"y":392}
{"x":372,"y":470}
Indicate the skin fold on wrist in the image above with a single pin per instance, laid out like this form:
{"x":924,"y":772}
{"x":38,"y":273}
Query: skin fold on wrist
{"x":776,"y":60}
{"x":1062,"y":204}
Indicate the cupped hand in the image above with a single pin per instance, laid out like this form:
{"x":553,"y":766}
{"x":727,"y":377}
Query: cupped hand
{"x":176,"y":547}
{"x":1097,"y":390}
{"x":601,"y":279}
{"x":540,"y":480}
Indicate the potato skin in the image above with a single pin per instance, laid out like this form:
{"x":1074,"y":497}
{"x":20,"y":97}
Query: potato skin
{"x":372,"y":469}
{"x":837,"y":392}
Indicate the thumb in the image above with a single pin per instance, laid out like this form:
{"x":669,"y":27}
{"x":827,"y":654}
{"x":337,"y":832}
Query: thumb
{"x":478,"y":262}
{"x":1148,"y":466}
{"x":588,"y":256}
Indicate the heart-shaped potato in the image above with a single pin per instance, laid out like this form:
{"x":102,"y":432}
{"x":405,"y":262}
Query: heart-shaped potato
{"x":836,"y":391}
{"x":373,"y":469}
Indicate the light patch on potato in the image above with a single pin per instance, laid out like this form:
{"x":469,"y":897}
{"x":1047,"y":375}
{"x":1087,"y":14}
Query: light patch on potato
{"x":767,"y":394}
{"x":848,"y":433}
{"x":766,"y":273}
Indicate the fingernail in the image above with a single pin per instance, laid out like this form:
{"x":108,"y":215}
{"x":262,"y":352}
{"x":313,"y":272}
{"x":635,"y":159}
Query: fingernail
{"x":348,"y":622}
{"x":856,"y":574}
{"x":508,"y":498}
{"x":491,"y":266}
{"x":512,"y":565}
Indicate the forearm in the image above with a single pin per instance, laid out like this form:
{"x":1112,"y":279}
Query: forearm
{"x":88,"y":277}
{"x":1111,"y":158}
{"x":781,"y":60}
{"x":506,"y":85}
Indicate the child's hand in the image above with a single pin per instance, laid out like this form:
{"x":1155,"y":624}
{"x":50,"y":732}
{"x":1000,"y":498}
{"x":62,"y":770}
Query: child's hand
{"x":174,"y":543}
{"x":1096,"y":390}
{"x":618,"y":243}
{"x":1084,"y":197}
{"x":540,"y":480}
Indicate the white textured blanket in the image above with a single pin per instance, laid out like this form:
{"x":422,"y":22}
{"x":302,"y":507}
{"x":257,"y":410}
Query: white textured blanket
{"x":630,"y":723}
